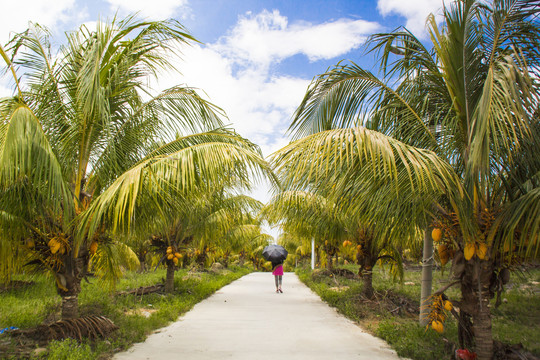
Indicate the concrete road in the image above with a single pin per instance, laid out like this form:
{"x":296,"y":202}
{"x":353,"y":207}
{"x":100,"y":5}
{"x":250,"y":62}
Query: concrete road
{"x":248,"y":320}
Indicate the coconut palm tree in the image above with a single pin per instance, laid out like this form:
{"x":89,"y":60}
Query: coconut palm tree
{"x":312,"y":216}
{"x":203,"y":221}
{"x":445,"y":136}
{"x":237,"y":228}
{"x":308,"y":215}
{"x":88,"y":151}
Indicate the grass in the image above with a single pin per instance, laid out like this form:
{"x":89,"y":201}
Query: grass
{"x":136,"y":316}
{"x":514,"y":322}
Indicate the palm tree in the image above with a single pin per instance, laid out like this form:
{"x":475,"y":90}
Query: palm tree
{"x":237,"y":228}
{"x":308,"y":215}
{"x":88,"y":152}
{"x":447,"y":136}
{"x":203,"y":221}
{"x":312,"y":216}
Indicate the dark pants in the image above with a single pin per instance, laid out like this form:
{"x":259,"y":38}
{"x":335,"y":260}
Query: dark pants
{"x":278,"y":280}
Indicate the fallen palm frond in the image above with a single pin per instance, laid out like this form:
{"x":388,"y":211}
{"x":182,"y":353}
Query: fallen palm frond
{"x":143,"y":290}
{"x":88,"y":327}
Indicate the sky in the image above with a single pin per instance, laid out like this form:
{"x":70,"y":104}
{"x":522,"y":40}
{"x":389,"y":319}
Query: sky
{"x":255,"y":58}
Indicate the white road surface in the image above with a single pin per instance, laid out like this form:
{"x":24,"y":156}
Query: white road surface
{"x":248,"y":320}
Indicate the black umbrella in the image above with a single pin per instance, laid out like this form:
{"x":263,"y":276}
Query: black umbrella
{"x":275,"y":253}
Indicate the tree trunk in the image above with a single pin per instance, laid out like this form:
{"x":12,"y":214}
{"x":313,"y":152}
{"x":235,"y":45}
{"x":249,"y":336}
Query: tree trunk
{"x":367,"y":278}
{"x":476,"y":295}
{"x":329,"y":264}
{"x":68,"y":284}
{"x":142,"y":261}
{"x":169,"y":280}
{"x":142,"y":267}
{"x":242,"y":258}
{"x":427,"y":276}
{"x":465,"y":332}
{"x":70,"y":306}
{"x":366,"y":260}
{"x":482,"y":332}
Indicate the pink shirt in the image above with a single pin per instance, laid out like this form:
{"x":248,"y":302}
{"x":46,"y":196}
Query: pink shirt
{"x":278,"y":270}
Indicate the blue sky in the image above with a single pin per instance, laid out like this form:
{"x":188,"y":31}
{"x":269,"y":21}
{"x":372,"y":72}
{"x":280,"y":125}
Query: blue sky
{"x":256,"y":58}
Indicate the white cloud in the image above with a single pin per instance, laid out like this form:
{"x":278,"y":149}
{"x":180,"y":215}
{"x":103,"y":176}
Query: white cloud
{"x":235,"y":72}
{"x":267,"y":37}
{"x":259,"y":105}
{"x":15,"y":15}
{"x":153,"y":9}
{"x":415,"y":11}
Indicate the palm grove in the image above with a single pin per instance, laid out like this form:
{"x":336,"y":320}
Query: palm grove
{"x":91,"y":159}
{"x":444,"y":136}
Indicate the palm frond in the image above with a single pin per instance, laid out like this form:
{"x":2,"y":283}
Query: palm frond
{"x":29,"y":168}
{"x":152,"y":185}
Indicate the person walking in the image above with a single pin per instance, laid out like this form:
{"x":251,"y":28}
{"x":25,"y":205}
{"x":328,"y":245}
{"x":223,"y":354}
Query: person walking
{"x":278,"y":275}
{"x":276,"y":254}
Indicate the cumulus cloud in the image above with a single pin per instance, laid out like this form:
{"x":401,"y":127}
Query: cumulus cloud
{"x":236,"y":71}
{"x":155,"y":9}
{"x":268,"y":37}
{"x":415,"y":11}
{"x":258,"y":104}
{"x":15,"y":15}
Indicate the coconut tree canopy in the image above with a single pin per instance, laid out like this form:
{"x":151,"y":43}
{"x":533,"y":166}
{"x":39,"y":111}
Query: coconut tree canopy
{"x":449,"y":128}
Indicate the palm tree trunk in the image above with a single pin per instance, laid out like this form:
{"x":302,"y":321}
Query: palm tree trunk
{"x":482,"y":316}
{"x":366,"y":260}
{"x":70,"y":306}
{"x":465,"y":333}
{"x":169,"y":279}
{"x":482,"y":332}
{"x":142,"y":267}
{"x":242,"y":258}
{"x":70,"y":296}
{"x":427,"y":276}
{"x":367,"y":278}
{"x":476,"y":296}
{"x":68,"y":284}
{"x":329,"y":264}
{"x":142,"y":261}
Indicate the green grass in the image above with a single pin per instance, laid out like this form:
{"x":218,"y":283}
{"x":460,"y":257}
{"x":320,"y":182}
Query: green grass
{"x":515,"y":321}
{"x":39,"y":303}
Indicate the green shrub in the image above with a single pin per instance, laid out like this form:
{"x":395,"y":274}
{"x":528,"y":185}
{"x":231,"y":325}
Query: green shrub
{"x":514,"y":322}
{"x":69,"y":349}
{"x":38,"y":303}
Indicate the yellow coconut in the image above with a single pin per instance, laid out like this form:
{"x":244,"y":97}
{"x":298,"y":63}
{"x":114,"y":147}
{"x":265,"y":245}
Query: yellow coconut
{"x":469,"y":251}
{"x":481,"y":251}
{"x":448,"y":305}
{"x":178,"y":255}
{"x":175,"y":260}
{"x":444,"y":254}
{"x":437,"y":326}
{"x":436,"y":234}
{"x":170,"y":256}
{"x":55,"y":247}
